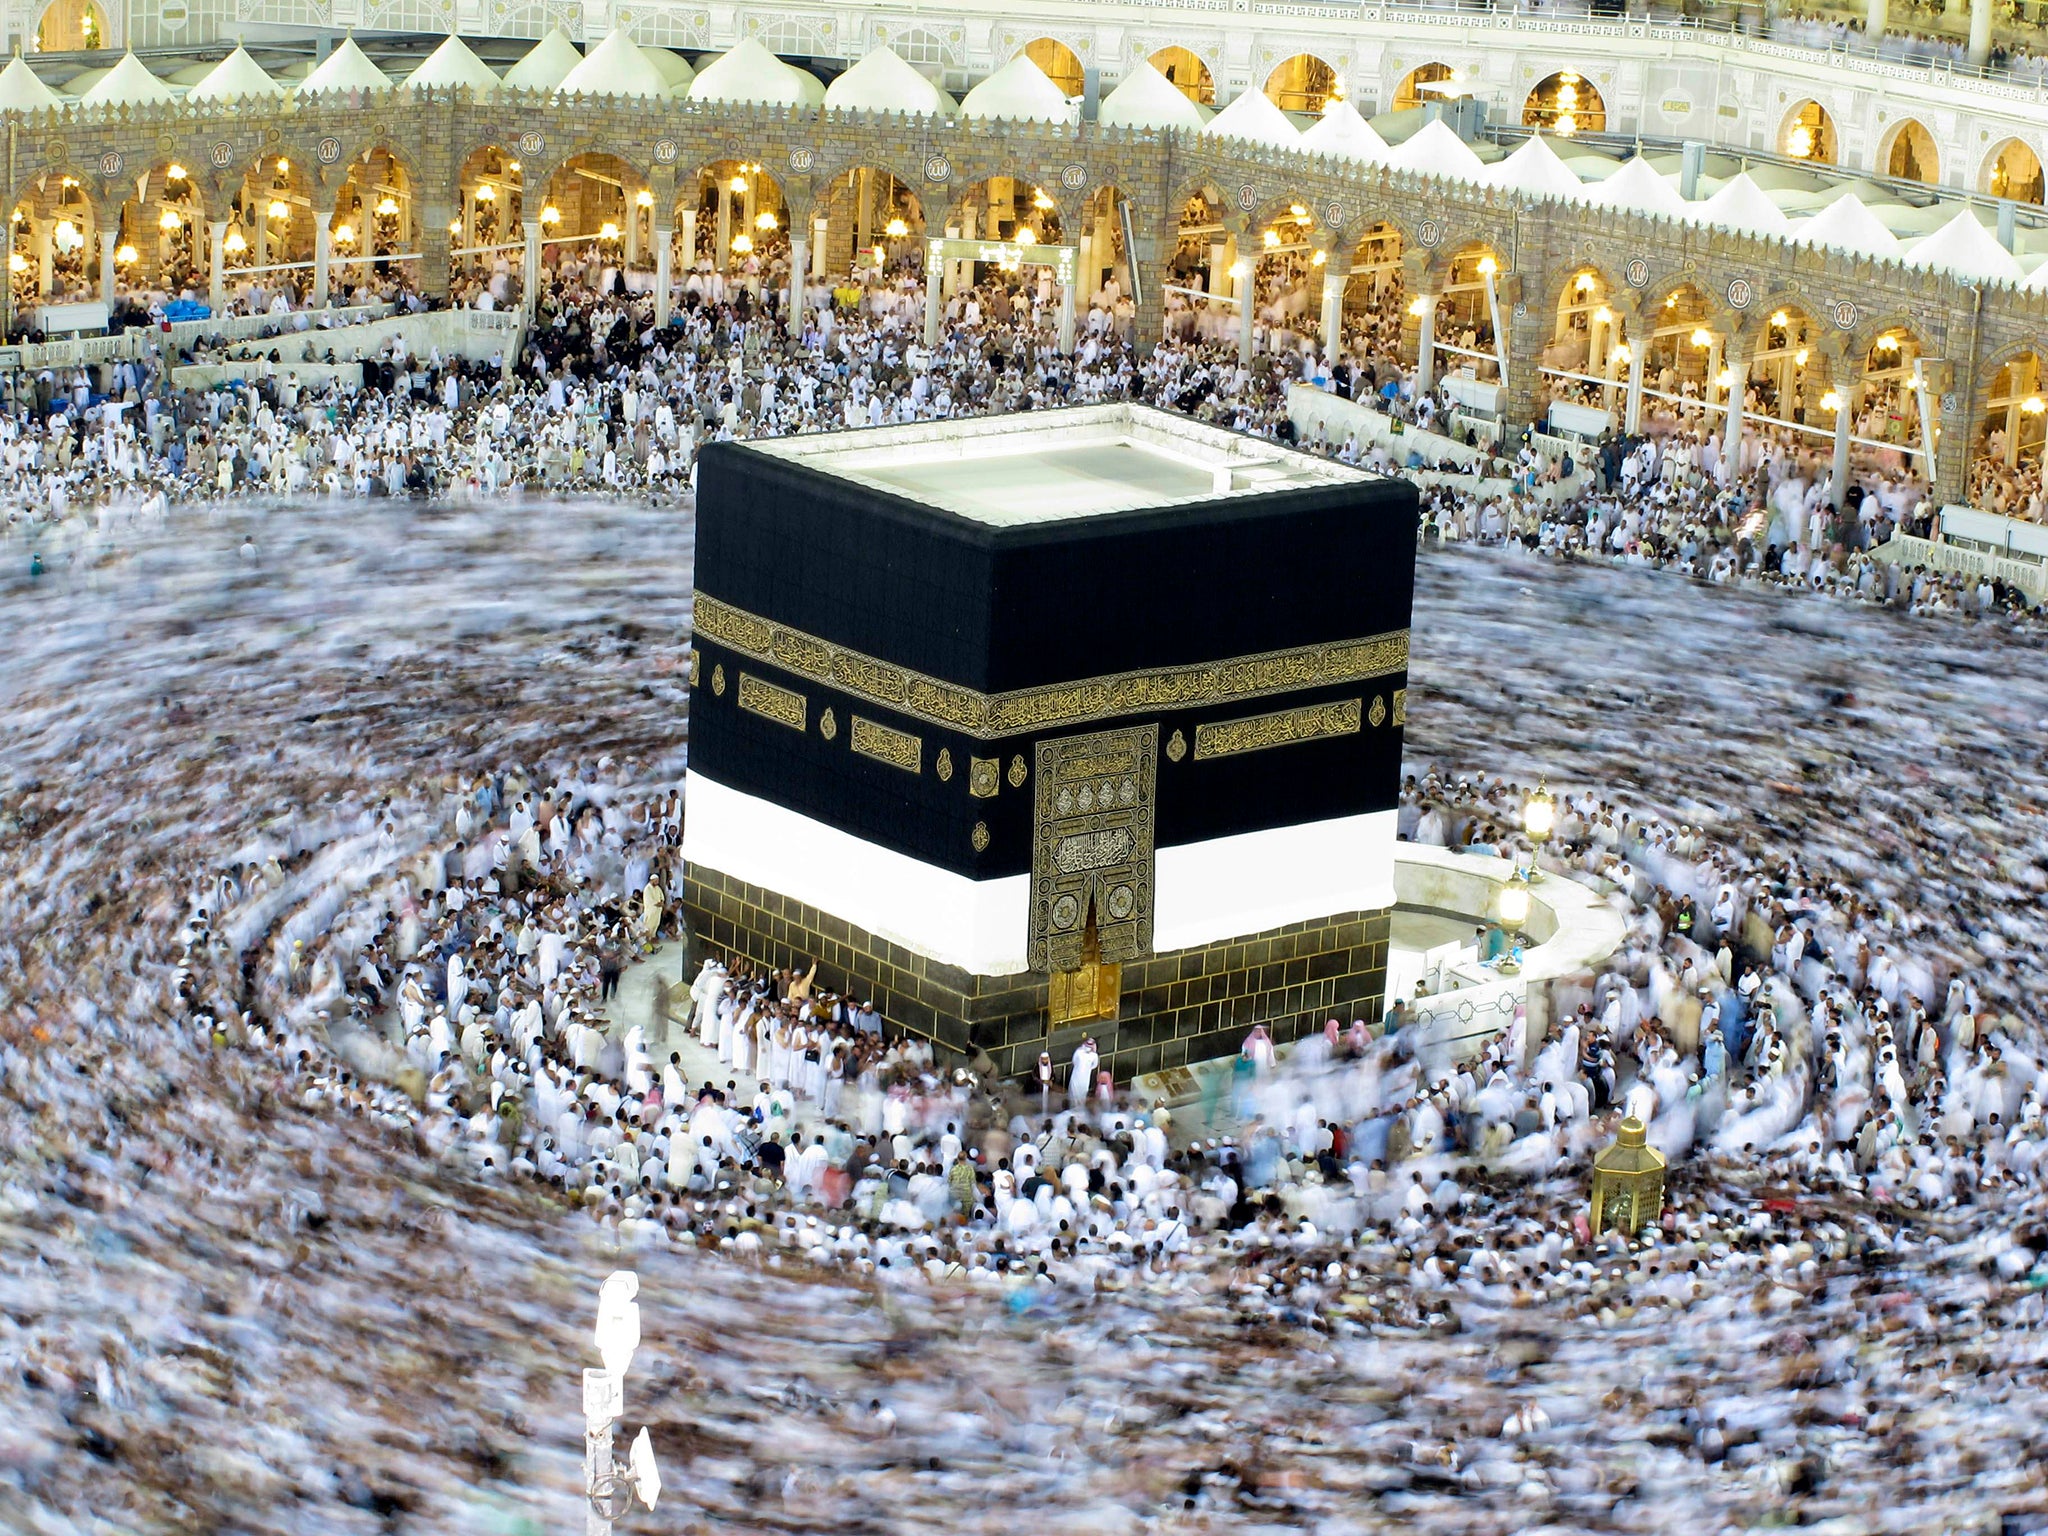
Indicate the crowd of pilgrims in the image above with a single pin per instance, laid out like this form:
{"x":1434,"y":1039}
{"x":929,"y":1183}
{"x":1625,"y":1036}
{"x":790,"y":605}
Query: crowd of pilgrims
{"x":599,"y":399}
{"x":365,"y":1032}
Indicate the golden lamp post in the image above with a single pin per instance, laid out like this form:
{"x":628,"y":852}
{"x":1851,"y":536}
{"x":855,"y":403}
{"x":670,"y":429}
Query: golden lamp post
{"x":1628,"y":1182}
{"x":1539,"y":820}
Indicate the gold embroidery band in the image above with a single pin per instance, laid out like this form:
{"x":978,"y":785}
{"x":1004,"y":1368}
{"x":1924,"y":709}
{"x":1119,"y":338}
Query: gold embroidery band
{"x":899,"y":749}
{"x":772,"y":703}
{"x":991,"y":715}
{"x":1282,"y":728}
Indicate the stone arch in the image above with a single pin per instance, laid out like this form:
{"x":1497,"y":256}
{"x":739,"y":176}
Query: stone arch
{"x":1303,"y":83}
{"x":1908,"y":152}
{"x":1808,"y":132}
{"x":1189,"y":72}
{"x":1410,"y":90}
{"x":743,"y":211}
{"x":2011,"y":413}
{"x":1565,"y":103}
{"x":2013,"y":169}
{"x":70,"y":26}
{"x":1060,"y":61}
{"x":1030,"y":204}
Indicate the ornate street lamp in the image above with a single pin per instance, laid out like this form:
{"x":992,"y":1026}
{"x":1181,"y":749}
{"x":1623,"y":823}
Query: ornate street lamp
{"x":1628,"y":1182}
{"x":611,"y":1493}
{"x":1539,"y":820}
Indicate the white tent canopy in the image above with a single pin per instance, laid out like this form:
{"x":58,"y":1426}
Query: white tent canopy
{"x":1254,"y":118}
{"x":348,"y":68}
{"x":1640,"y":187}
{"x":883,"y":82}
{"x":128,"y":84}
{"x":1744,"y":207}
{"x":1341,"y":132}
{"x":21,"y":90}
{"x":1436,"y":150}
{"x":1145,"y":98}
{"x":751,"y":73}
{"x":1966,"y":248}
{"x":1536,"y":168}
{"x":1847,"y":224}
{"x":546,"y":65}
{"x":1021,"y":90}
{"x":675,"y":69}
{"x":615,"y":67}
{"x":452,"y":66}
{"x":232,"y":78}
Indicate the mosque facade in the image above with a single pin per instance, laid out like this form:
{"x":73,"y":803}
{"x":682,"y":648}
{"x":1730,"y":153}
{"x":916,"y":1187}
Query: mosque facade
{"x":368,"y":168}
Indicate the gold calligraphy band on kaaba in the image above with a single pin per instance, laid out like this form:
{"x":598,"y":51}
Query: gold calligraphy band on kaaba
{"x":885,"y":744}
{"x":770,"y":702}
{"x":1282,"y":728}
{"x":986,"y":716}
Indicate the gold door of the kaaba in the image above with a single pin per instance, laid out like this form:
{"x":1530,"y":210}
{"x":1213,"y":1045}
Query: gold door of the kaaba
{"x":1091,"y":864}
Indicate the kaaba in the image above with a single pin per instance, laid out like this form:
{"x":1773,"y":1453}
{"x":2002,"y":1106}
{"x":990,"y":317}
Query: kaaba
{"x":1061,"y":723}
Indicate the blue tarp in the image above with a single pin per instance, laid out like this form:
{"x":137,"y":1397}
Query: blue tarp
{"x":187,"y":309}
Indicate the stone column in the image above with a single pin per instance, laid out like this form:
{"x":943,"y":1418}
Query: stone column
{"x":1425,"y":345}
{"x":1952,"y":453}
{"x":217,"y":264}
{"x":689,"y":239}
{"x":799,"y":265}
{"x":934,"y":311}
{"x":1731,"y":424}
{"x":529,"y":267}
{"x":434,"y":244}
{"x":1838,"y":484}
{"x":259,"y":233}
{"x":721,"y":254}
{"x":46,"y":256}
{"x":1874,"y":21}
{"x":1247,"y":313}
{"x":1632,"y":411}
{"x":109,"y":240}
{"x":664,"y":277}
{"x":323,"y":253}
{"x":1336,"y":278}
{"x":1067,"y":316}
{"x":821,"y":235}
{"x":1980,"y":31}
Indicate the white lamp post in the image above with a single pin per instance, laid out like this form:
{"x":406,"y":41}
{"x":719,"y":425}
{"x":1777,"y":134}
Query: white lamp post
{"x":604,"y":1401}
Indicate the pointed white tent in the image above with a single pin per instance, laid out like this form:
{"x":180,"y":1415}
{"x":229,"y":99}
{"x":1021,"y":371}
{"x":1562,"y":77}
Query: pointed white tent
{"x":1019,"y":89}
{"x":1847,"y":224}
{"x":546,"y":64}
{"x":615,"y":67}
{"x":348,"y":68}
{"x":234,"y":77}
{"x":128,"y":83}
{"x":22,"y":91}
{"x":1640,"y":187}
{"x":1145,"y":98}
{"x":1536,"y":168}
{"x":883,"y":82}
{"x":450,"y":66}
{"x":1436,"y":150}
{"x":1744,"y":207}
{"x":751,"y":73}
{"x":675,"y":69}
{"x":1966,"y":248}
{"x":1341,"y":132}
{"x":1254,"y":118}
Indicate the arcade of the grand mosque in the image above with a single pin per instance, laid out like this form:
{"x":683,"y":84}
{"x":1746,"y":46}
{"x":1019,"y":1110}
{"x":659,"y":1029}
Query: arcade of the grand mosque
{"x":1571,"y":219}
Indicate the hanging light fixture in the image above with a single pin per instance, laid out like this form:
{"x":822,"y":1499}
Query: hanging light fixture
{"x":551,"y":215}
{"x":896,"y":229}
{"x":170,"y":223}
{"x":1040,"y":201}
{"x":1831,"y":401}
{"x":2034,"y":405}
{"x":739,"y":184}
{"x":67,"y":236}
{"x":1488,"y":266}
{"x":1027,"y":236}
{"x":1799,"y":143}
{"x":455,"y":226}
{"x":608,"y":231}
{"x":284,"y":166}
{"x":1702,"y":338}
{"x":1319,"y":258}
{"x":487,"y":193}
{"x":643,"y":199}
{"x":126,"y":256}
{"x":765,"y":221}
{"x":344,"y":234}
{"x":282,"y":210}
{"x":1272,"y":239}
{"x":388,"y":206}
{"x":742,"y":243}
{"x":174,"y":172}
{"x":234,"y":244}
{"x":1566,"y":125}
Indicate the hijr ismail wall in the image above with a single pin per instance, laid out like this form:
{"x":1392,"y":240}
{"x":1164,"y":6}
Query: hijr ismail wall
{"x":1130,"y":774}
